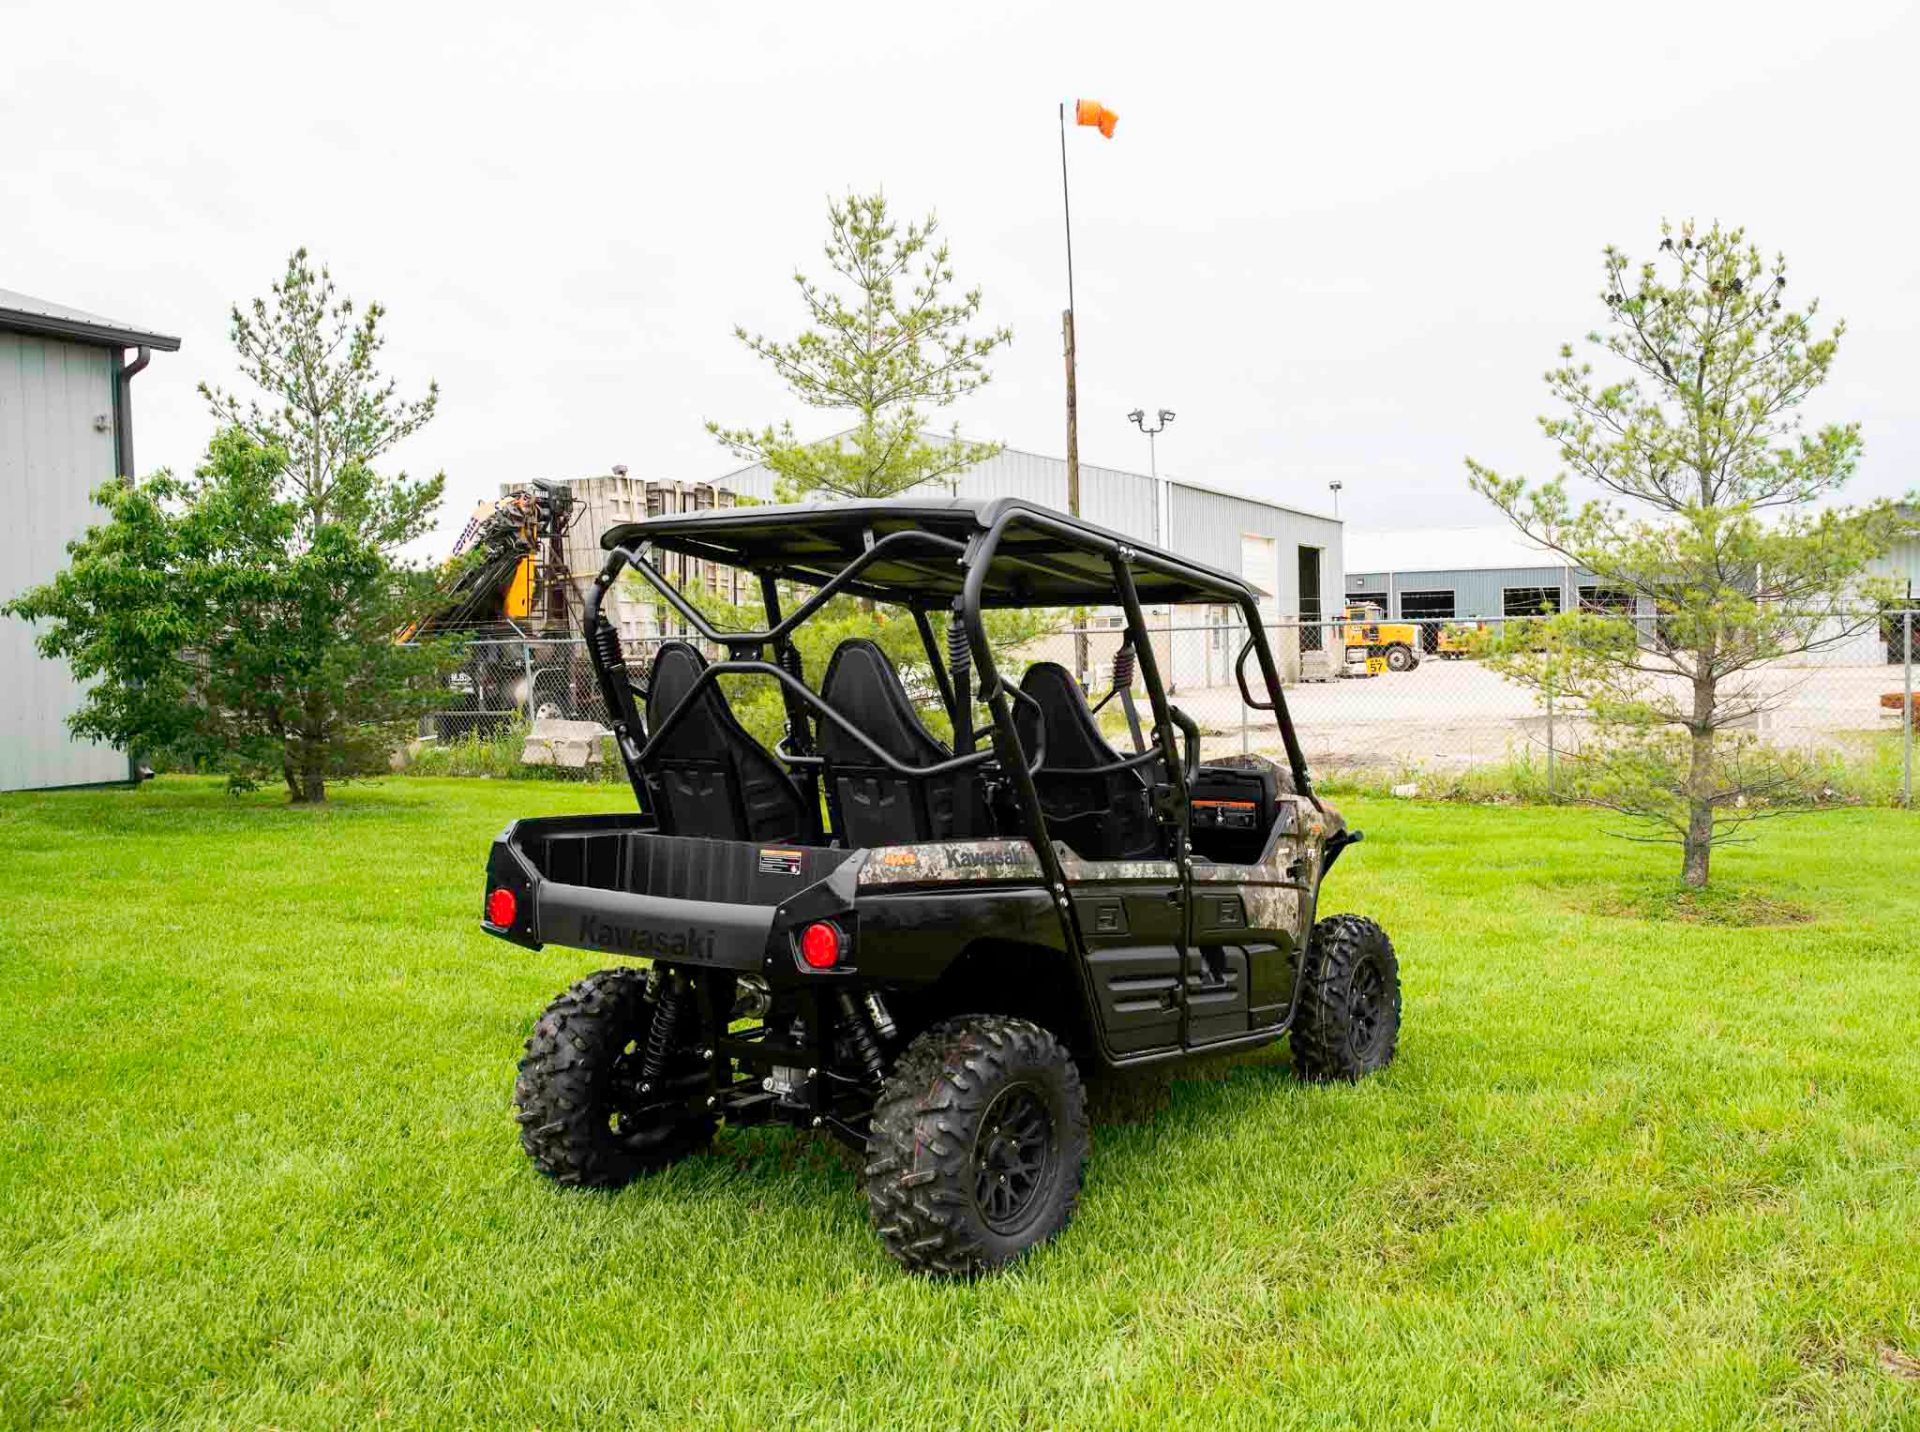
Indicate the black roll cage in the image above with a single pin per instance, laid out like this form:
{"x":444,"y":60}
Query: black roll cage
{"x":975,"y":557}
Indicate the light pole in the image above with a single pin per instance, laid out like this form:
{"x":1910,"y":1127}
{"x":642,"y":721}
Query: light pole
{"x":1162,"y":514}
{"x":1138,"y":417}
{"x":1334,"y":488}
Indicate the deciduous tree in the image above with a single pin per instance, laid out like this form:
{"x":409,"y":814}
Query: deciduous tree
{"x":1707,"y":510}
{"x":885,"y":344}
{"x":245,"y":618}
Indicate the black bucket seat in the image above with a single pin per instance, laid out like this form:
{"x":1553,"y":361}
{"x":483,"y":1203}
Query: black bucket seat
{"x":709,"y":777}
{"x":873,"y":805}
{"x":1101,"y":815}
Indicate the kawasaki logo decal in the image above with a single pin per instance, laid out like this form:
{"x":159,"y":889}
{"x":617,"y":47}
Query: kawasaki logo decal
{"x":687,"y":944}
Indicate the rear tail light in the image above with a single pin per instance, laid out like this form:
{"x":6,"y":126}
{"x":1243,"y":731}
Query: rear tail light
{"x":501,"y":908}
{"x":820,"y":945}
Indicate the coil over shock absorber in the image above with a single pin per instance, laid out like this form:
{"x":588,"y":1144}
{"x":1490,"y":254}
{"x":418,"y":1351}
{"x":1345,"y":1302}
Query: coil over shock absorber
{"x":606,"y":645}
{"x":663,"y":1030}
{"x":616,"y":691}
{"x":960,"y":670}
{"x":860,"y":1035}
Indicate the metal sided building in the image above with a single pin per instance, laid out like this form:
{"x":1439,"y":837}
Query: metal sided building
{"x":1465,"y":574}
{"x":1902,"y":563}
{"x":1292,"y":557}
{"x":1475,"y":574}
{"x":66,"y":427}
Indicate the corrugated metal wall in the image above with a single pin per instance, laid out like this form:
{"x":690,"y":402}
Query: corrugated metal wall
{"x":1902,"y":564}
{"x":1478,"y":595}
{"x":1208,"y":526}
{"x":56,"y":446}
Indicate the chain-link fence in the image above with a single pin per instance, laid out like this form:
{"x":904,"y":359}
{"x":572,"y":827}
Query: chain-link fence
{"x":1383,"y":699}
{"x":501,"y":685}
{"x":1415,"y":697}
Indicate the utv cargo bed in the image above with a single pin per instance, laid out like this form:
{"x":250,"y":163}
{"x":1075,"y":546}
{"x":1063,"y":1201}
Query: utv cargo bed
{"x":613,"y":882}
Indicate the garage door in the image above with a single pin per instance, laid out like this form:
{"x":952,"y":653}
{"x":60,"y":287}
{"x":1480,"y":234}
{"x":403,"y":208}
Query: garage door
{"x":1431,"y":609}
{"x":1260,"y":565}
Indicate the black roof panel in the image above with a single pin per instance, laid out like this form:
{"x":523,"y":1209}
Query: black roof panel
{"x":1045,"y":558}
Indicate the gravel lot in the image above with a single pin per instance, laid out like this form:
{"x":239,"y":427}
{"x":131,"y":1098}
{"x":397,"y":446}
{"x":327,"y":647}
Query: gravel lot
{"x":1457,"y":713}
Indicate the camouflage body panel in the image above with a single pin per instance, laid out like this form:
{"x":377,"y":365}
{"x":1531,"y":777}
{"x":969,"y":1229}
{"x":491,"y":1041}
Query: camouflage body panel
{"x":1275,"y":898}
{"x":1251,"y":761}
{"x":1279,"y":893}
{"x":950,"y":862}
{"x":1077,"y":869}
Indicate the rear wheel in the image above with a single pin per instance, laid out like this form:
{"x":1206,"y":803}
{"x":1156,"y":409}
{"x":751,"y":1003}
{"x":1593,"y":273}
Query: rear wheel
{"x":591,"y":1109}
{"x":1349,"y":1019}
{"x":1401,"y":658}
{"x":977,"y":1147}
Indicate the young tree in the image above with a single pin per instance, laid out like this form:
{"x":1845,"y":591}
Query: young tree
{"x":1710,"y":521}
{"x":245,"y":618}
{"x":883,"y":351}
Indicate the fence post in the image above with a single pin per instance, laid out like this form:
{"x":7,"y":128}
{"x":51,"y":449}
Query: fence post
{"x":1550,"y":743}
{"x":526,"y":666}
{"x":1906,"y":710}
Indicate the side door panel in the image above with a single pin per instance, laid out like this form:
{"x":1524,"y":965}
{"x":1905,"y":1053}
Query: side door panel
{"x":1129,"y":913}
{"x":1252,"y":918}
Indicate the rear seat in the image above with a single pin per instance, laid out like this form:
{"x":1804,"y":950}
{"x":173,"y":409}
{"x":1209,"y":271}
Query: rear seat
{"x":872,"y":805}
{"x":709,"y":777}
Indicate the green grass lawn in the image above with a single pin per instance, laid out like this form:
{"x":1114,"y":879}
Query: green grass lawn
{"x":259,"y":1165}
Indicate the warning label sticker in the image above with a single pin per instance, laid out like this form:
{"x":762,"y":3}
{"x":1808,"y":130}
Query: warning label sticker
{"x":779,"y":862}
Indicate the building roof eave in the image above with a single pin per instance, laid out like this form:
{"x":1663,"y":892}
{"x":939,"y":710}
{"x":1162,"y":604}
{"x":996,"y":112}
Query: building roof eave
{"x":22,"y":313}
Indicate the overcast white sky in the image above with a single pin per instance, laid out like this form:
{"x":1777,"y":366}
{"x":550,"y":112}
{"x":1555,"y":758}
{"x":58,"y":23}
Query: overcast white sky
{"x":1342,"y":242}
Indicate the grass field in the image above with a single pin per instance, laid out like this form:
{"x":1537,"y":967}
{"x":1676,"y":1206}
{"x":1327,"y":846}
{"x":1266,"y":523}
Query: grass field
{"x":259,"y":1168}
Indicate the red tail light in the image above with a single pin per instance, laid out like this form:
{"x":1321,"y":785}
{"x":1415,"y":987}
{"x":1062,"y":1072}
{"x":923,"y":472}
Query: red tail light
{"x":820,"y":945}
{"x":501,"y":908}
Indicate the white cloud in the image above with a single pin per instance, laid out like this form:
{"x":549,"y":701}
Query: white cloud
{"x":1342,"y":242}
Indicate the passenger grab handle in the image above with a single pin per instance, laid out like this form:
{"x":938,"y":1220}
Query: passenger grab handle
{"x":1240,"y":675}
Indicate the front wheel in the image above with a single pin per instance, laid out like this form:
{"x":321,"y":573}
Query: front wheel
{"x":1348,"y":1024}
{"x":977,"y":1147}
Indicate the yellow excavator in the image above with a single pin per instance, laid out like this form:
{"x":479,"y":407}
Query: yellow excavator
{"x":506,"y":573}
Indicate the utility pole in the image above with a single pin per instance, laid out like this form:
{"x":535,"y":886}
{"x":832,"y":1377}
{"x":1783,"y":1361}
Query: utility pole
{"x":1097,"y":115}
{"x":1066,"y":329}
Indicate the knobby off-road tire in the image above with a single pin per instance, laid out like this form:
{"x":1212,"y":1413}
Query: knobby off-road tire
{"x":978,"y":1145}
{"x":1401,"y":658}
{"x":1349,"y":1018}
{"x":582,"y":1119}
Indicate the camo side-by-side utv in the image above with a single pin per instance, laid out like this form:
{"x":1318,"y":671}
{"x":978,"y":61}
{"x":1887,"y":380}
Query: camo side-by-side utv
{"x":918,"y":946}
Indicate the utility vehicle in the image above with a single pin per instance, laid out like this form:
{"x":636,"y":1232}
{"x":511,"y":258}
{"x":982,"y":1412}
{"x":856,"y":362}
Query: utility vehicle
{"x":1365,"y":630}
{"x":913,"y":944}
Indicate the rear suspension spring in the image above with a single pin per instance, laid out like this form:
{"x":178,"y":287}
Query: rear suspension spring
{"x":665,"y":1027}
{"x":860,"y":1035}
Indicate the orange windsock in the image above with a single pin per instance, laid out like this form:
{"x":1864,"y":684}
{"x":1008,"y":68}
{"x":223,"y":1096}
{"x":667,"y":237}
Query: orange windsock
{"x":1095,"y":114}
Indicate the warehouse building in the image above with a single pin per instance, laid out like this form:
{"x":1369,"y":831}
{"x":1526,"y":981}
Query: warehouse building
{"x":1483,"y":574}
{"x":1902,"y":564}
{"x":66,"y":426}
{"x":1293,"y":558}
{"x":1464,"y":574}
